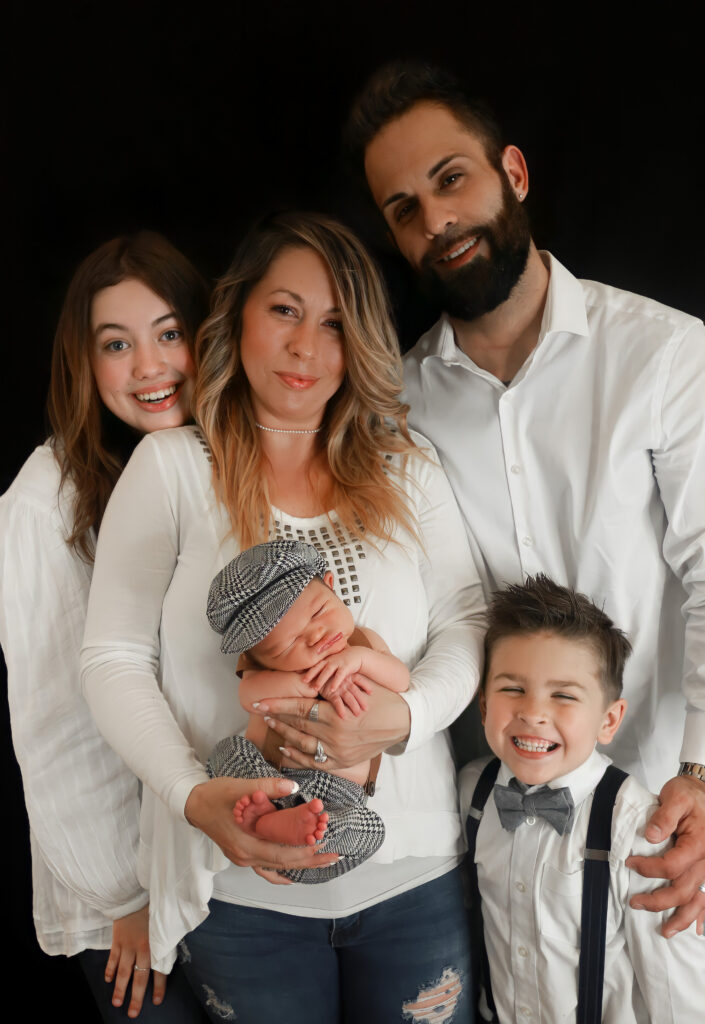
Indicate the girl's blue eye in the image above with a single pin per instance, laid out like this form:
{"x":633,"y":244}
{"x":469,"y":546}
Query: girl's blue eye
{"x":116,"y":346}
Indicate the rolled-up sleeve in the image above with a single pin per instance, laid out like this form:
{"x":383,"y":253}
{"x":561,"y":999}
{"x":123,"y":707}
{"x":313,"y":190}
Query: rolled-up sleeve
{"x":679,"y":466}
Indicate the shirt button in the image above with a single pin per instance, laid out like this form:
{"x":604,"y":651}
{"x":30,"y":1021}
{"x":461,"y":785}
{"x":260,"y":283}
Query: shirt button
{"x":526,"y":1012}
{"x":515,"y":468}
{"x":527,"y":541}
{"x":531,"y":821}
{"x":520,"y":887}
{"x":523,"y":951}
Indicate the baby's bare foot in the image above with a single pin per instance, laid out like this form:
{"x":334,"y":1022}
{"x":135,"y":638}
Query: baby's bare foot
{"x":303,"y":825}
{"x":248,"y":810}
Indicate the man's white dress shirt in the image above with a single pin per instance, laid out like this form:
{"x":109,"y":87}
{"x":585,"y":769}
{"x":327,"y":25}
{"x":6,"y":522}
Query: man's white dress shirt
{"x":531,"y":883}
{"x":590,"y":467}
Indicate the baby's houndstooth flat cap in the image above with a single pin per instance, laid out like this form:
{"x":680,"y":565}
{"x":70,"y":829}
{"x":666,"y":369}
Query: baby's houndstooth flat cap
{"x":255,"y":591}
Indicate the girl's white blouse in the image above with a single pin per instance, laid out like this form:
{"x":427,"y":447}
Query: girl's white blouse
{"x":82,"y":802}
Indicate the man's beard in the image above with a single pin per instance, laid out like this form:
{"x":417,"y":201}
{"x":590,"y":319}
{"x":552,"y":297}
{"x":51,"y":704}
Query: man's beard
{"x":485,"y":283}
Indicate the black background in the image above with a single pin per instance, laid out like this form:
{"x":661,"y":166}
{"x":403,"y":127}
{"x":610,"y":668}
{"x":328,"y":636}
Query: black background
{"x":190,"y":122}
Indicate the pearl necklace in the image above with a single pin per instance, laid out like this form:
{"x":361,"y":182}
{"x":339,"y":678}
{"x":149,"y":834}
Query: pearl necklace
{"x":279,"y":430}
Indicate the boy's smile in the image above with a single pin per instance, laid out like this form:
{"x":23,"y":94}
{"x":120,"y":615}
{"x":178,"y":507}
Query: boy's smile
{"x":543,"y":705}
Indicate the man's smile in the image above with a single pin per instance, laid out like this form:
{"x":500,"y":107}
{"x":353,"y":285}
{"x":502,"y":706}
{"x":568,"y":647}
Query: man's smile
{"x":466,"y":249}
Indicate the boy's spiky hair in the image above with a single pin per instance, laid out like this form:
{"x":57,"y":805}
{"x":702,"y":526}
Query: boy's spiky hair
{"x":541,"y":606}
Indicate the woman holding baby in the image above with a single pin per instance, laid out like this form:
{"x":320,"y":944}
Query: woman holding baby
{"x":301,"y":435}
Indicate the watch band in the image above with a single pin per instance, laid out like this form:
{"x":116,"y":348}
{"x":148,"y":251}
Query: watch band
{"x":697,"y":771}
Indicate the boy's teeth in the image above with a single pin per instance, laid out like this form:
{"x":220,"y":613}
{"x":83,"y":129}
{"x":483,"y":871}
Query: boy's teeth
{"x":533,"y":745}
{"x":156,"y":396}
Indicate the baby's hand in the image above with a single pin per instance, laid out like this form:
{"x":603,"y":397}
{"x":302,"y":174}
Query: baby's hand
{"x":307,"y":690}
{"x":335,"y":669}
{"x":350,"y":693}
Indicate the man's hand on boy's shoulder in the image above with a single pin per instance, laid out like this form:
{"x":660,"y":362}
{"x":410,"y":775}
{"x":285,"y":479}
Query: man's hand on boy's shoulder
{"x":681,"y":814}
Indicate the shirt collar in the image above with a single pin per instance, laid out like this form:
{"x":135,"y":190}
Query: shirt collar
{"x":439,"y":341}
{"x":564,"y":312}
{"x":581,"y":781}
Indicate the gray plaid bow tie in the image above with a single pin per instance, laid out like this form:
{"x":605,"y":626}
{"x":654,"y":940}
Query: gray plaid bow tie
{"x":515,"y":805}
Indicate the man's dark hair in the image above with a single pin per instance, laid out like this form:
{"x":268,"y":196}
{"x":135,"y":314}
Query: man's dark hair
{"x":400,"y":85}
{"x":542,"y":606}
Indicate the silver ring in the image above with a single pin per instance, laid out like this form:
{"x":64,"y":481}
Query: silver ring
{"x":702,"y":887}
{"x":313,"y":713}
{"x":320,"y":757}
{"x":136,"y":968}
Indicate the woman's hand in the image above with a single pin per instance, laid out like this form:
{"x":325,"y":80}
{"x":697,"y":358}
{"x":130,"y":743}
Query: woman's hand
{"x":210,"y":808}
{"x":346,"y":741}
{"x":130,"y":949}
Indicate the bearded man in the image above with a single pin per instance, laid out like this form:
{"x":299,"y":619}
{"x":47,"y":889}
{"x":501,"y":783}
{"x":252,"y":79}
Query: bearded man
{"x":570,"y":418}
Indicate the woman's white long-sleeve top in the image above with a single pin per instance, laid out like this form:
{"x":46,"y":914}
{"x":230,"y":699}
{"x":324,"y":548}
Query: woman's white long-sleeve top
{"x":164,"y":694}
{"x":82,"y":801}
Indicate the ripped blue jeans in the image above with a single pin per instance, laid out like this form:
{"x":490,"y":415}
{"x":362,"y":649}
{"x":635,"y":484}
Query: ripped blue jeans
{"x":406,"y":959}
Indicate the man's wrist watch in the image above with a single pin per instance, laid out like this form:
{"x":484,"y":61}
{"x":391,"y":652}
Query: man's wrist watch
{"x":697,"y":771}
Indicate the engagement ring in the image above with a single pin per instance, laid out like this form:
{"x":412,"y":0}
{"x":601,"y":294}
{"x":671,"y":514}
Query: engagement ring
{"x":320,"y":757}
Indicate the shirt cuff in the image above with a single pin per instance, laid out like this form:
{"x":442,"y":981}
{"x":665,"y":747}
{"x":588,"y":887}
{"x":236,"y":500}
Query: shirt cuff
{"x":693,"y":748}
{"x":131,"y":907}
{"x":417,"y":735}
{"x":181,"y":791}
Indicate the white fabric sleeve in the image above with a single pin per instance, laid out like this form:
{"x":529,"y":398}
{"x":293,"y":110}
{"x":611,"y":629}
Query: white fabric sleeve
{"x":135,"y":560}
{"x":669,"y":972}
{"x":82,"y":802}
{"x":679,"y":466}
{"x":445,"y":679}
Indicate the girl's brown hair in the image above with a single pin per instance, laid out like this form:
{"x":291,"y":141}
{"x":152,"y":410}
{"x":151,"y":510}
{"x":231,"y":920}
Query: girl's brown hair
{"x":364,"y":421}
{"x":88,"y":456}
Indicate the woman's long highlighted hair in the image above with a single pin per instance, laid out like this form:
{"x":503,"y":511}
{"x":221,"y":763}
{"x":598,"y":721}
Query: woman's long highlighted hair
{"x":86,"y":438}
{"x":364,"y":421}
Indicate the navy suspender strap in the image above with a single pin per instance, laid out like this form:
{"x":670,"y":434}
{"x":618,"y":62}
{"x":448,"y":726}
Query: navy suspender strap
{"x":485,"y":785}
{"x":596,"y":887}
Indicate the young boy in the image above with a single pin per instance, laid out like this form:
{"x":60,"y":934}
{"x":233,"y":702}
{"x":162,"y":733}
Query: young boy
{"x":551,"y":691}
{"x":274,"y":604}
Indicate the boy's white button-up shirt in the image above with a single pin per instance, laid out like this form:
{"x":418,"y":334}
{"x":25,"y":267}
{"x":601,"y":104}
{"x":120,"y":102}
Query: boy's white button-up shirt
{"x":590,"y":467}
{"x":531,"y":887}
